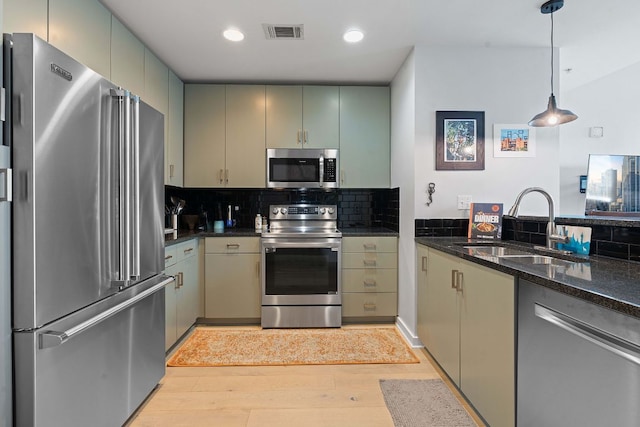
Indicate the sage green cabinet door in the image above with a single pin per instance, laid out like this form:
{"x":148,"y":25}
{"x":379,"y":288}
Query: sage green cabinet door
{"x":422,"y":257}
{"x":321,"y":117}
{"x":487,"y":342}
{"x":284,"y":116}
{"x":188,"y":296}
{"x":245,"y":152}
{"x":443,"y":313}
{"x":82,"y":29}
{"x":232,"y":286}
{"x":365,"y":137}
{"x":174,"y":160}
{"x":127,"y":58}
{"x":204,"y":135}
{"x":170,"y":302}
{"x":25,"y":16}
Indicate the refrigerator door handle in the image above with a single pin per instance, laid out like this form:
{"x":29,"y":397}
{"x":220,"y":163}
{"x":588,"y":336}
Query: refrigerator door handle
{"x":135,"y":163}
{"x":121,"y":96}
{"x":49,"y":339}
{"x":126,"y":185}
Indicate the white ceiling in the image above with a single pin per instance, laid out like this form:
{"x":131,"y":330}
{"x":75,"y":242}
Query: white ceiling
{"x":595,"y":37}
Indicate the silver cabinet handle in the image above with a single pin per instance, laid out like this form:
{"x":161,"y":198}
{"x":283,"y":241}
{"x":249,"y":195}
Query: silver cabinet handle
{"x":603,"y":339}
{"x":221,"y":175}
{"x":233,"y":246}
{"x":370,"y":262}
{"x":454,"y":279}
{"x":369,"y":306}
{"x":186,"y":251}
{"x":342,"y":176}
{"x":305,"y":136}
{"x":459,"y":281}
{"x":171,"y":171}
{"x":8,"y":185}
{"x":370,"y":284}
{"x":55,"y":338}
{"x":168,"y":257}
{"x":298,"y":138}
{"x":369,"y":246}
{"x":226,"y":176}
{"x":424,"y":263}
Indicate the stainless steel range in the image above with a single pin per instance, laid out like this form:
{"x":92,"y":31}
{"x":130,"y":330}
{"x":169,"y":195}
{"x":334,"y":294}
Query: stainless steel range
{"x":301,"y":260}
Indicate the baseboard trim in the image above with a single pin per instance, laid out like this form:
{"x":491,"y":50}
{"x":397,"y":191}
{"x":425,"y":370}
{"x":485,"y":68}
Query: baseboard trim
{"x":413,"y":341}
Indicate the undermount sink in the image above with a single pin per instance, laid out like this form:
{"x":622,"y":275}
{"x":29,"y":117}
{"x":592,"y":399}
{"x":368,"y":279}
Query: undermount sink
{"x":538,"y":259}
{"x":496,"y":251}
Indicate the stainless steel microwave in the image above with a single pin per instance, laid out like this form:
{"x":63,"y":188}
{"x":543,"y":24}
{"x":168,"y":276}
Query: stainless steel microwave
{"x":302,"y":168}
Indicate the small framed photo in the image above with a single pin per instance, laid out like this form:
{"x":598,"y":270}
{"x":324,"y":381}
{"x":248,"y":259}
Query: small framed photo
{"x":514,"y":141}
{"x":459,"y":140}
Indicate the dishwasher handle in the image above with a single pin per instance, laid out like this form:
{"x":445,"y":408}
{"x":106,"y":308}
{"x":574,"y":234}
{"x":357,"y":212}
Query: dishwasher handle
{"x":49,"y":339}
{"x":603,"y":339}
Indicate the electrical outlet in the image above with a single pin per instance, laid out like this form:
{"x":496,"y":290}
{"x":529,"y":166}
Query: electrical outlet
{"x":464,"y":202}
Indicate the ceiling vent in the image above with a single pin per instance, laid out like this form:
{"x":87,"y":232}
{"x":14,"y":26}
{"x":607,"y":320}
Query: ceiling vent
{"x":283,"y":32}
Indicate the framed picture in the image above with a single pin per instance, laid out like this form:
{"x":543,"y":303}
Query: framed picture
{"x":459,"y":140}
{"x":514,"y":141}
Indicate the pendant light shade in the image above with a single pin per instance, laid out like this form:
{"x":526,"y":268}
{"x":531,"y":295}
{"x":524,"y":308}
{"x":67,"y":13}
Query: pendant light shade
{"x":553,"y":115}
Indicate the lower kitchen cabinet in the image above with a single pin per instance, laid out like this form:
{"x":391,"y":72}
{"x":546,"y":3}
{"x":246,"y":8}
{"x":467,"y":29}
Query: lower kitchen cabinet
{"x":182,"y":298}
{"x":466,"y":320}
{"x":369,"y":277}
{"x":232,"y":278}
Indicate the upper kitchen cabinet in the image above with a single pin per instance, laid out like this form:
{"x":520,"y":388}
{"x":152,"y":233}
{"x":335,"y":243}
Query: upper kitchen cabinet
{"x":175,"y":141}
{"x":82,"y":29}
{"x":303,"y":116}
{"x":127,"y":58}
{"x":225,"y":136}
{"x":245,"y":136}
{"x":365,"y":141}
{"x":156,"y":83}
{"x":25,"y":16}
{"x":204,"y":135}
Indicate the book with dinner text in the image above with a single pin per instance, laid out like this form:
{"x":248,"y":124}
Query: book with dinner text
{"x":485,"y":221}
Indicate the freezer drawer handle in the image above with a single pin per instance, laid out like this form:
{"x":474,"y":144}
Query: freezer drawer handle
{"x":54,"y":338}
{"x":622,"y":348}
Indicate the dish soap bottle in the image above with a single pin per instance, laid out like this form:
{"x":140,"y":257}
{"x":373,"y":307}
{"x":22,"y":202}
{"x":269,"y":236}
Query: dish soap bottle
{"x":258,"y":223}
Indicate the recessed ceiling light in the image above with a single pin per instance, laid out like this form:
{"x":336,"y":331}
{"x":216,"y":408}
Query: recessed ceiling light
{"x":353,"y":36}
{"x":233,"y":35}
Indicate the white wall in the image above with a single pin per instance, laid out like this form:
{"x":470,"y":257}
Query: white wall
{"x":510,"y":86}
{"x":403,"y":176}
{"x":611,"y":102}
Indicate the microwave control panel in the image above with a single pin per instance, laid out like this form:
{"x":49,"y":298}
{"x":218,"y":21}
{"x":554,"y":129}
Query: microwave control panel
{"x":329,"y":170}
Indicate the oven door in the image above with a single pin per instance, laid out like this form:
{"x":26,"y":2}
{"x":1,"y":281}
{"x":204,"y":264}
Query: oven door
{"x":301,"y":271}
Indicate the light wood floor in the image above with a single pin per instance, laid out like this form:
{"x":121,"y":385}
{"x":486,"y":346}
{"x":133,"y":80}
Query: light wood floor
{"x":309,"y":395}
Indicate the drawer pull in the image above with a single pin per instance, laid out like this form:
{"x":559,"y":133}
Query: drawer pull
{"x":424,"y":263}
{"x":186,"y":251}
{"x":233,"y":246}
{"x":369,"y":246}
{"x":168,"y":257}
{"x":370,"y":262}
{"x":370,"y":284}
{"x":369,"y":307}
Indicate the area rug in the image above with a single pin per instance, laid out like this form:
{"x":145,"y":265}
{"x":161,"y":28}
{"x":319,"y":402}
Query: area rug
{"x":427,"y":403}
{"x":263,"y":347}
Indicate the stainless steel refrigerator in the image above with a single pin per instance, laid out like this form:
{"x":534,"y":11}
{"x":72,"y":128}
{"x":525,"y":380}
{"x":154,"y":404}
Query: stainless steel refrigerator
{"x":87,"y":232}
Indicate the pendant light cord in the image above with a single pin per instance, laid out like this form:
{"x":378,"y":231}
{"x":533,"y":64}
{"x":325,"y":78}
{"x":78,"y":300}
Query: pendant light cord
{"x":551,"y":53}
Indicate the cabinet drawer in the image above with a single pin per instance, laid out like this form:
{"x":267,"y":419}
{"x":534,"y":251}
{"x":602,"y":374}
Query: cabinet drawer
{"x":370,"y":280}
{"x":370,"y":260}
{"x":370,"y":244}
{"x":369,"y":304}
{"x":187,"y":249}
{"x":225,"y":245}
{"x":170,"y":256}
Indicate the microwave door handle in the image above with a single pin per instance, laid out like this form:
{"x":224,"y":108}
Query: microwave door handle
{"x":321,"y":171}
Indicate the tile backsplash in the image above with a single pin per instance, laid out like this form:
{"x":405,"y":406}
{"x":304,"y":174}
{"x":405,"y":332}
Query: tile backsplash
{"x":616,"y":239}
{"x":356,"y":207}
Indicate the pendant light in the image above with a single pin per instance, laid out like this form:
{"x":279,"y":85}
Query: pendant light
{"x":553,"y":115}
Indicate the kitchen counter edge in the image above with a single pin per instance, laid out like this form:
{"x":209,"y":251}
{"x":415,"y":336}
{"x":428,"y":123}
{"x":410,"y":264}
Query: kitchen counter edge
{"x":605,"y":292}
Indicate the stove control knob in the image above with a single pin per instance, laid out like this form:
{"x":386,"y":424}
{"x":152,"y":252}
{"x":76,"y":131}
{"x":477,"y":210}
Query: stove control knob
{"x":323,"y":210}
{"x":283,"y":211}
{"x":275,"y":211}
{"x":331,"y":211}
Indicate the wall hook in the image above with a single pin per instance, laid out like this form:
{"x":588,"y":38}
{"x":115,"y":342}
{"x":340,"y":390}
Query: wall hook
{"x":430,"y":190}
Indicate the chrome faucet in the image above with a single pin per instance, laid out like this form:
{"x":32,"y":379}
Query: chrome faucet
{"x":552,"y":233}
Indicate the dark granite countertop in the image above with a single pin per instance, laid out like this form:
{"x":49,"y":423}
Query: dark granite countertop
{"x":184,"y":235}
{"x":586,"y":220}
{"x":368,"y":231}
{"x":608,"y":282}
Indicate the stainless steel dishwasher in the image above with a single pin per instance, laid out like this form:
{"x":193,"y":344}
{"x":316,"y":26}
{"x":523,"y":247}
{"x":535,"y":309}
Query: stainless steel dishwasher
{"x":578,"y":363}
